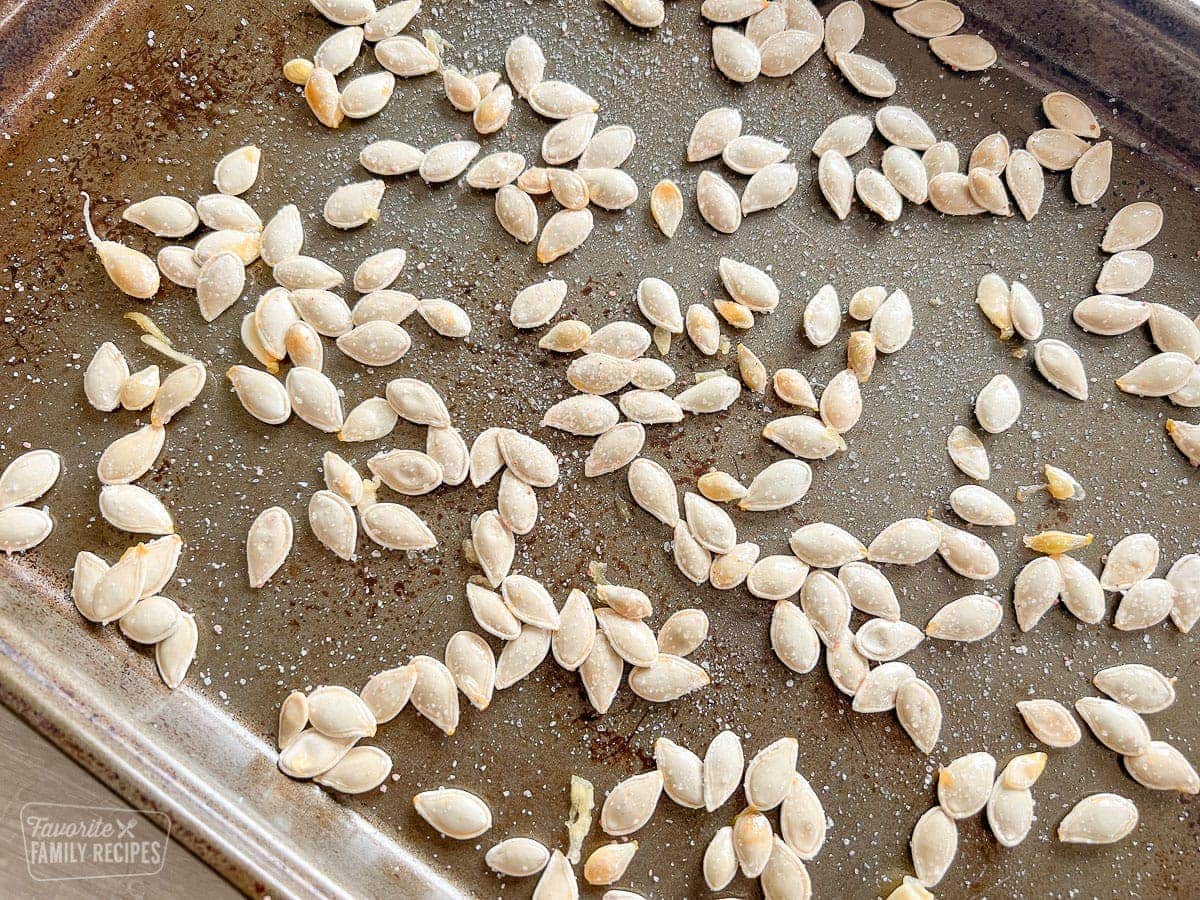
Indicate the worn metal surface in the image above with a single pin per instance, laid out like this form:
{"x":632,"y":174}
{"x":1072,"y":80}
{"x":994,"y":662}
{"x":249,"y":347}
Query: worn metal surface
{"x":149,"y":98}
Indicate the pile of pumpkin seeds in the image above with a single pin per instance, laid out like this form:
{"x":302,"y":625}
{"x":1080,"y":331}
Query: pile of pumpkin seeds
{"x":827,"y":568}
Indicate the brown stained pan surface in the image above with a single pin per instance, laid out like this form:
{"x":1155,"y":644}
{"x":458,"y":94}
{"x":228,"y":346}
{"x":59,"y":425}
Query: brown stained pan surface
{"x":150,"y":101}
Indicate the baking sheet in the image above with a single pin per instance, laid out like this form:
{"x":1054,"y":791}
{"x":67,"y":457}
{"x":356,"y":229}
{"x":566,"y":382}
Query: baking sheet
{"x":148,"y":100}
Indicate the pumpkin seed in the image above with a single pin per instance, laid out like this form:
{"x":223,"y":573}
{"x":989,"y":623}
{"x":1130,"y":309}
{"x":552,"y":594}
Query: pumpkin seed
{"x":293,"y":718}
{"x":406,"y":56}
{"x":995,"y":299}
{"x":730,"y":10}
{"x":1186,"y":437}
{"x":179,"y":265}
{"x":836,"y":180}
{"x":881,"y":640}
{"x":362,"y":769}
{"x":929,"y":18}
{"x":869,"y":590}
{"x":1026,"y":182}
{"x":1055,"y":149}
{"x":608,"y":863}
{"x":367,"y":95}
{"x":778,"y":486}
{"x":435,"y":696}
{"x":906,"y":173}
{"x":1109,"y":315}
{"x":494,"y":546}
{"x":845,"y":136}
{"x":920,"y":713}
{"x":720,"y":861}
{"x":793,"y":388}
{"x":735,"y":55}
{"x":1132,"y":226}
{"x":967,"y":554}
{"x":776,"y":577}
{"x":238,"y":170}
{"x":769,"y":774}
{"x":1145,"y":604}
{"x":163,"y":216}
{"x":683,"y":632}
{"x":1116,"y":726}
{"x":614,"y":449}
{"x":933,"y":845}
{"x":979,"y":506}
{"x":1125,"y":273}
{"x":29,"y":476}
{"x":1158,"y":376}
{"x":654,"y":491}
{"x":793,"y":638}
{"x":941,"y":158}
{"x":312,"y":753}
{"x":802,"y":819}
{"x":892,"y":324}
{"x":950,"y":193}
{"x":877,"y":193}
{"x":904,"y":127}
{"x":712,"y":132}
{"x":517,"y":857}
{"x":132,"y":508}
{"x":965,"y":784}
{"x":1163,"y":768}
{"x":558,"y":880}
{"x":847,"y":667}
{"x":668,"y":678}
{"x":631,"y":803}
{"x":786,"y":51}
{"x":987,"y":190}
{"x":710,"y":395}
{"x":495,"y":170}
{"x":564,"y":232}
{"x":23,"y":528}
{"x":827,"y":604}
{"x":970,"y":618}
{"x":174,"y":654}
{"x":666,"y":206}
{"x":804,"y":436}
{"x":323,"y":98}
{"x":843,"y":29}
{"x":877,"y":692}
{"x":998,"y":405}
{"x":753,"y":841}
{"x":1091,"y":174}
{"x":769,"y":187}
{"x":524,"y":63}
{"x":493,"y":110}
{"x":1098,"y":819}
{"x":389,"y":157}
{"x":1133,"y":559}
{"x":516,"y":213}
{"x":906,"y":542}
{"x":718,"y":202}
{"x":1142,"y":688}
{"x":964,"y":52}
{"x":454,"y":812}
{"x":339,"y":713}
{"x":868,"y":76}
{"x":559,"y":100}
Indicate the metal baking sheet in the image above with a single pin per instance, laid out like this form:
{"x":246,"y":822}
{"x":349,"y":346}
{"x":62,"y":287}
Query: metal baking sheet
{"x":126,"y":100}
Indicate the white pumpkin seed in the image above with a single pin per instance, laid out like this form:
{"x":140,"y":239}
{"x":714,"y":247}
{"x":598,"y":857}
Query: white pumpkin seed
{"x":683,"y":632}
{"x":496,"y":170}
{"x":390,"y":20}
{"x":929,"y":18}
{"x":970,"y":618}
{"x":979,"y":506}
{"x":362,"y":769}
{"x":1116,"y":726}
{"x":559,"y":100}
{"x":163,"y":216}
{"x":965,"y":784}
{"x":173,"y":655}
{"x":238,"y":170}
{"x":877,"y":692}
{"x":1133,"y":559}
{"x":179,"y":265}
{"x":793,"y":638}
{"x":933,"y":845}
{"x":735,"y":55}
{"x":133,"y":508}
{"x":712,"y":132}
{"x":525,"y":64}
{"x":268,"y":544}
{"x":881,"y":640}
{"x":1161,"y":767}
{"x":1098,"y":819}
{"x":1125,"y":272}
{"x":435,"y":696}
{"x":1145,"y":604}
{"x":1091,"y":174}
{"x":631,"y":803}
{"x":614,"y":449}
{"x":825,"y":546}
{"x":846,"y":666}
{"x":1132,"y":226}
{"x":390,"y":157}
{"x":666,"y":206}
{"x":906,"y":542}
{"x":968,"y":453}
{"x":406,"y":56}
{"x":718,"y":202}
{"x":920,"y":713}
{"x":720,"y":861}
{"x":998,"y":405}
{"x":654,"y":491}
{"x":564,"y":232}
{"x":518,"y":857}
{"x":379,"y":270}
{"x":868,"y":76}
{"x":608,"y":862}
{"x":454,"y":812}
{"x":804,"y":436}
{"x":297,"y":272}
{"x":371,"y":420}
{"x":710,"y":395}
{"x":332,"y":520}
{"x":793,"y":388}
{"x":769,"y":774}
{"x":1060,"y":365}
{"x":23,"y":528}
{"x":30,"y":475}
{"x":869,"y":590}
{"x":892,"y":324}
{"x":964,"y":52}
